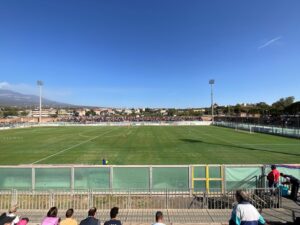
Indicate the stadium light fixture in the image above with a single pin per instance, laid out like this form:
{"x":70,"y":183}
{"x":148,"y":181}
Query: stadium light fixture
{"x":212,"y":82}
{"x":40,"y":84}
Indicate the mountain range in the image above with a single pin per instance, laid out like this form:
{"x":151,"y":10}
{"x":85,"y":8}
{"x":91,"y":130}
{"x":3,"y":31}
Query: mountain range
{"x":16,"y":99}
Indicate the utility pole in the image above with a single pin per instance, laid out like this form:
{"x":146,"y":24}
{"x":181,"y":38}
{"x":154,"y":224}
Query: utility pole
{"x":212,"y":82}
{"x":40,"y":84}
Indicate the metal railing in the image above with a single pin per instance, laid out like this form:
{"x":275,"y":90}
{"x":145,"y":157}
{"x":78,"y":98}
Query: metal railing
{"x":131,"y":199}
{"x":267,"y":129}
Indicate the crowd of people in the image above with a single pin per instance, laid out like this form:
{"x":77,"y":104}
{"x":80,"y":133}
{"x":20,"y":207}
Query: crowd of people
{"x":243,"y":212}
{"x":10,"y":218}
{"x":93,"y":119}
{"x":277,"y":121}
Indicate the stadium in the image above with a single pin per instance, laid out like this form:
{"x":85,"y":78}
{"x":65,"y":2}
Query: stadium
{"x":141,"y":127}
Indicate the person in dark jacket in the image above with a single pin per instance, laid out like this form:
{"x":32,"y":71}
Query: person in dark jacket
{"x":294,"y":182}
{"x":91,"y":220}
{"x":113,"y":217}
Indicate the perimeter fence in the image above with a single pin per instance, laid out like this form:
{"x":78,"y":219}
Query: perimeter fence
{"x":149,"y":178}
{"x":275,"y":130}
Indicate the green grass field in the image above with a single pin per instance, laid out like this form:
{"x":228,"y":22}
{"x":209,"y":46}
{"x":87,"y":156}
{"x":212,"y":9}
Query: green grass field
{"x":143,"y":145}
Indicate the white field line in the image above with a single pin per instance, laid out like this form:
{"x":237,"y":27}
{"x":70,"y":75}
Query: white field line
{"x":81,"y":135}
{"x":73,"y":146}
{"x":237,"y":144}
{"x":270,"y":144}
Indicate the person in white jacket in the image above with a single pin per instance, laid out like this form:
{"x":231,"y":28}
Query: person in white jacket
{"x":244,"y":213}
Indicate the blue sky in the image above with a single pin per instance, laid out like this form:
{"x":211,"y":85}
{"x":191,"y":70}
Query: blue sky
{"x":157,"y":53}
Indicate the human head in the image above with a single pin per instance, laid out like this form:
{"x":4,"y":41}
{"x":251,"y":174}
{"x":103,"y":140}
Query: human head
{"x":52,"y":212}
{"x":13,"y":209}
{"x":26,"y":218}
{"x":92,"y":211}
{"x":283,"y":175}
{"x":273,"y":167}
{"x":159,"y":216}
{"x":114,"y":212}
{"x":241,"y":196}
{"x":69,"y":213}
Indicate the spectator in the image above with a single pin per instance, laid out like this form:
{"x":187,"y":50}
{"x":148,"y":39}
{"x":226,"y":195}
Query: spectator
{"x":273,"y":177}
{"x":91,"y":220}
{"x":23,"y":221}
{"x":69,"y":220}
{"x":294,"y":182}
{"x":159,"y":218}
{"x":244,"y":212}
{"x":113,"y":215}
{"x":12,"y":213}
{"x":51,"y":218}
{"x":6,"y":220}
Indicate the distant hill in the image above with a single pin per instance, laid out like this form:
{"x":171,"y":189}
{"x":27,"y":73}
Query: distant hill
{"x":12,"y":98}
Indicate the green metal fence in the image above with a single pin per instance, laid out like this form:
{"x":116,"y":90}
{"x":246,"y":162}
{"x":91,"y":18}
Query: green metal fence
{"x":208,"y":178}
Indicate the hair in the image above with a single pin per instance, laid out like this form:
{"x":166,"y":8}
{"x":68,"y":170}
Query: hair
{"x":26,"y":218}
{"x":13,"y":209}
{"x":92,"y":211}
{"x":241,"y":195}
{"x":114,"y":212}
{"x":273,"y":167}
{"x":158,"y":216}
{"x":69,"y":213}
{"x":282,"y":174}
{"x":52,"y":212}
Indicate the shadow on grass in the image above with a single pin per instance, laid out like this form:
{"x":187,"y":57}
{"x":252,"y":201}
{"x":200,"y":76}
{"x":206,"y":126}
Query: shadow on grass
{"x":188,"y":140}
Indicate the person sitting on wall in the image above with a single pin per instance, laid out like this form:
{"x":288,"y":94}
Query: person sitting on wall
{"x":91,"y":220}
{"x":12,"y":213}
{"x":69,"y":218}
{"x":113,"y":215}
{"x":294,"y":182}
{"x":51,"y":218}
{"x":159,"y":218}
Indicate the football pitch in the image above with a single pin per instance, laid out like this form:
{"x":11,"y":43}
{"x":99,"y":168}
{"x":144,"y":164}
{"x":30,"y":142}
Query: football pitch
{"x":141,"y":145}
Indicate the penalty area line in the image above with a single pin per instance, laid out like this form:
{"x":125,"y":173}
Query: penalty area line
{"x":69,"y":148}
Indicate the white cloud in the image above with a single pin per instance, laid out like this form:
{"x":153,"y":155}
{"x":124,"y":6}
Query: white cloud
{"x":48,"y":92}
{"x":270,"y":42}
{"x":22,"y":88}
{"x":4,"y":85}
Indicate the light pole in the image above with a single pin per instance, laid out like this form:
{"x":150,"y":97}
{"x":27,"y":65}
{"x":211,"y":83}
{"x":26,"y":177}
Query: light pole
{"x":40,"y":84}
{"x":212,"y":82}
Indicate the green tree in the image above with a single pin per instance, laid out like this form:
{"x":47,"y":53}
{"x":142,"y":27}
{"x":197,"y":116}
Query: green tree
{"x":171,"y":112}
{"x":10,"y":111}
{"x":283,"y":102}
{"x":293,"y":109}
{"x":279,"y":106}
{"x":23,"y":113}
{"x":237,"y":108}
{"x":90,"y":113}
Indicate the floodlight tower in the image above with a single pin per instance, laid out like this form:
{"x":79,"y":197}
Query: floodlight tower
{"x":212,"y":82}
{"x":40,"y":84}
